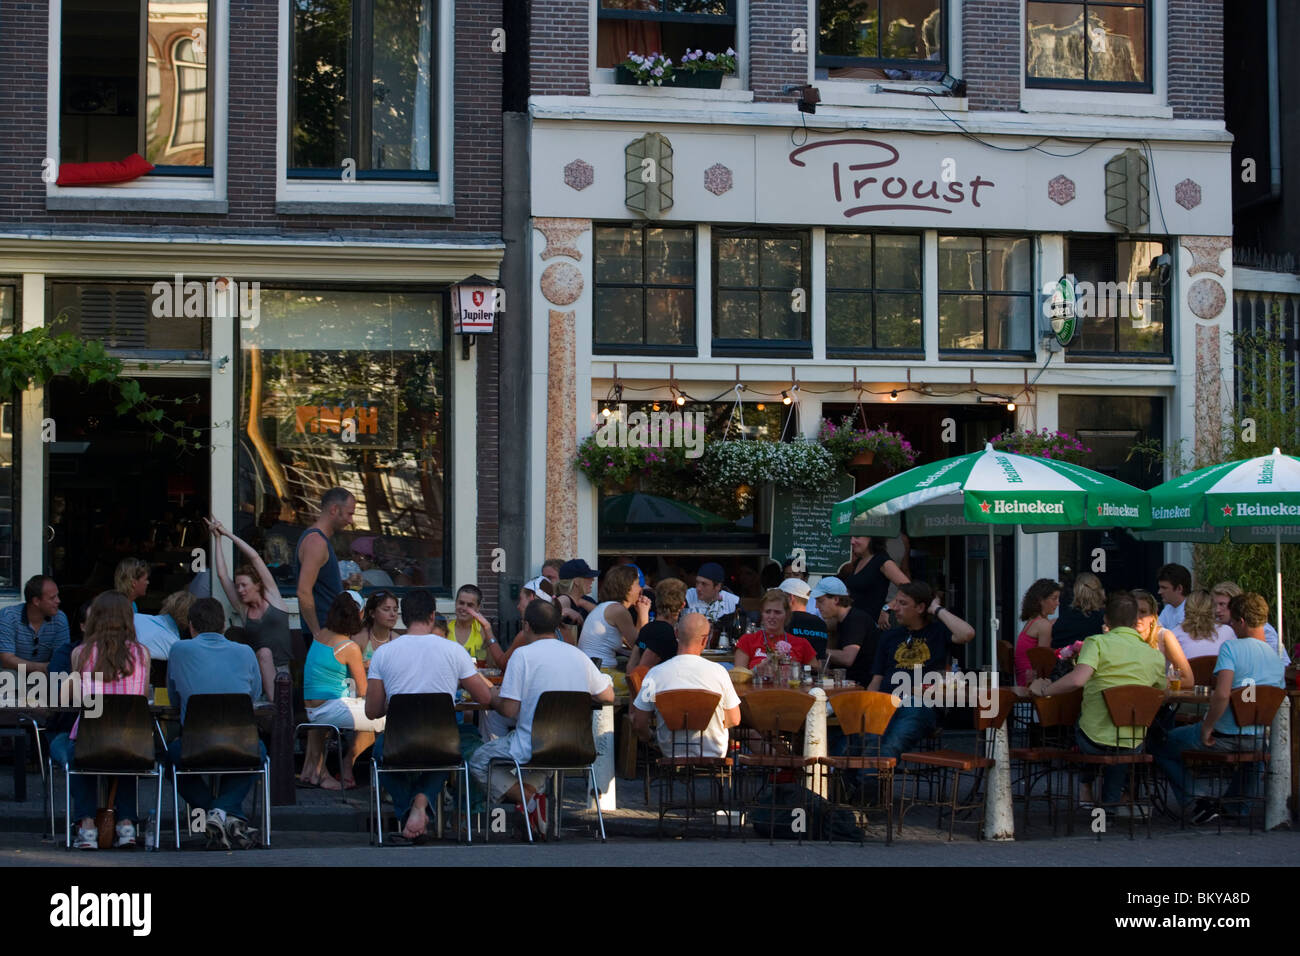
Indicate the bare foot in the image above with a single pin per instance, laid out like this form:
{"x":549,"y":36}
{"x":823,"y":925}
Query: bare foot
{"x":327,"y":782}
{"x":417,"y":823}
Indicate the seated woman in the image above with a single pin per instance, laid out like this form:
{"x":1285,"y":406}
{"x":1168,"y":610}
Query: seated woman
{"x":332,"y":658}
{"x":756,"y":647}
{"x":1199,"y":635}
{"x":1085,"y":615}
{"x":472,"y":630}
{"x":377,"y":622}
{"x":256,"y":598}
{"x":1162,"y":639}
{"x":657,"y":641}
{"x":611,"y":627}
{"x":1039,"y":603}
{"x":111,"y":654}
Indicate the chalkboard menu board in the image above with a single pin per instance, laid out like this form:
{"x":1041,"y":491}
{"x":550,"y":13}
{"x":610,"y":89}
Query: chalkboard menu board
{"x":802,"y":519}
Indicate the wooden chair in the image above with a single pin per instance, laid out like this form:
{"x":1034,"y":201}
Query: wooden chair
{"x":775,"y":719}
{"x":1007,"y":662}
{"x":689,"y":713}
{"x":1054,"y":735}
{"x":642,"y":752}
{"x":947,"y":762}
{"x":1203,"y":669}
{"x":1042,"y":660}
{"x":1130,"y":705}
{"x":1252,"y":753}
{"x":862,"y":712}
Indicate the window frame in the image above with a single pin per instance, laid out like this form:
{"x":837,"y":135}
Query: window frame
{"x":1025,"y":354}
{"x":1075,"y":354}
{"x":844,"y":352}
{"x":833,"y":61}
{"x":687,"y":350}
{"x":727,"y":19}
{"x":14,"y":403}
{"x":761,"y":348}
{"x":1086,"y":84}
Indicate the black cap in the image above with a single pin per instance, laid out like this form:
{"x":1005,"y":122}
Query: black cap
{"x":577,"y":568}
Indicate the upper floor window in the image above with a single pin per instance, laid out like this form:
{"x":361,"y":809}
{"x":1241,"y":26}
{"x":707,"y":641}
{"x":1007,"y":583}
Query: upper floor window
{"x":761,"y":292}
{"x":645,"y":289}
{"x":1093,"y":44}
{"x":1120,"y":297}
{"x":361,"y":89}
{"x":985,"y":294}
{"x":102,"y":50}
{"x":881,"y":39}
{"x":873,"y":292}
{"x":670,"y":27}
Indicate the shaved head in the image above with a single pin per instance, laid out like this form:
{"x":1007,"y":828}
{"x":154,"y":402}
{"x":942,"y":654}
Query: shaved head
{"x":692,"y":633}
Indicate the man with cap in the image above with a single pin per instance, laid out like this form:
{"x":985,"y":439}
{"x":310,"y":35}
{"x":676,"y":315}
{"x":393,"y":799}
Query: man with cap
{"x":802,"y":624}
{"x":855,"y":632}
{"x":707,"y":597}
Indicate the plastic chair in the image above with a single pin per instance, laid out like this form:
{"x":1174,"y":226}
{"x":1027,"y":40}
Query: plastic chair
{"x":562,"y":742}
{"x":120,"y":742}
{"x":1252,"y":753}
{"x":776,"y":718}
{"x":421,"y":736}
{"x":1057,"y":716}
{"x":689,"y":712}
{"x":863,"y":712}
{"x":219,"y":737}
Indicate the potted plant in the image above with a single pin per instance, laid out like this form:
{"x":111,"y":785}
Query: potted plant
{"x":855,"y":447}
{"x":796,"y":464}
{"x":704,"y":70}
{"x":1044,"y":443}
{"x":638,"y":70}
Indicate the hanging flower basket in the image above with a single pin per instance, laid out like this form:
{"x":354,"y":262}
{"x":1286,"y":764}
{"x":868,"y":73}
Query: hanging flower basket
{"x":1044,"y":443}
{"x":796,"y":464}
{"x":852,"y":446}
{"x":862,"y":459}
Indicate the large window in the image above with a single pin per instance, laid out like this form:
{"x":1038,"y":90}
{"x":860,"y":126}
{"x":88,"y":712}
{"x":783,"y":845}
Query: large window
{"x":670,"y":27}
{"x":645,"y":289}
{"x":881,"y":39}
{"x":362,"y":95}
{"x":1121,"y":299}
{"x":761,"y":294}
{"x":104,"y":44}
{"x":1093,"y":43}
{"x":873,"y":293}
{"x":347,"y":389}
{"x":985,"y":294}
{"x":8,"y":472}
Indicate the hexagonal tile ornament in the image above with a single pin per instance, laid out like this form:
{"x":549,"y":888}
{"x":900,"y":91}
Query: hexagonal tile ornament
{"x":579,"y":174}
{"x":1188,"y":194}
{"x":717,"y":179}
{"x":1060,"y":190}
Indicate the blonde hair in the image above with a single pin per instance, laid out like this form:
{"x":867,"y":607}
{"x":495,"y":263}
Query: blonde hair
{"x":670,"y":597}
{"x":1229,"y":589}
{"x":1147,"y":608}
{"x":1089,"y":595}
{"x":777,"y":596}
{"x":177,"y":607}
{"x":129,"y":570}
{"x":1198,"y":618}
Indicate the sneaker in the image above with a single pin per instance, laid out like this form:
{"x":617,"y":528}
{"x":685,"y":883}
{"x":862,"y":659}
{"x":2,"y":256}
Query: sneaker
{"x":1205,"y":811}
{"x":242,"y":836}
{"x":87,"y":838}
{"x":535,"y":815}
{"x":539,"y":818}
{"x":216,"y":830}
{"x":125,"y":834}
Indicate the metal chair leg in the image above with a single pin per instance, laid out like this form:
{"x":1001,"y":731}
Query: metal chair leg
{"x":176,"y":809}
{"x":600,"y":818}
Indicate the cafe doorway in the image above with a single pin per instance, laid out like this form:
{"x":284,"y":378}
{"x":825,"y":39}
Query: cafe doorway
{"x":114,"y":491}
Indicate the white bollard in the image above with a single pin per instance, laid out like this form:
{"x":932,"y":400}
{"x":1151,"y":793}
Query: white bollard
{"x":602,"y":728}
{"x":1276,"y":811}
{"x":999,"y":818}
{"x":814,"y":739}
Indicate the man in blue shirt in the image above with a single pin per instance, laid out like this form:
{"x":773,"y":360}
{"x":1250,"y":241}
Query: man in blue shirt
{"x":1245,"y":661}
{"x":210,"y":664}
{"x":31,"y":632}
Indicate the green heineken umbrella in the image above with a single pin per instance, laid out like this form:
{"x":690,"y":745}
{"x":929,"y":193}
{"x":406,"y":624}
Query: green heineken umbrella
{"x":1256,"y":500}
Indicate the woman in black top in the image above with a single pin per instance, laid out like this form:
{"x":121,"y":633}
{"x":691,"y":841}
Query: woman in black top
{"x":868,"y":574}
{"x":657,"y":641}
{"x":1084,"y":617}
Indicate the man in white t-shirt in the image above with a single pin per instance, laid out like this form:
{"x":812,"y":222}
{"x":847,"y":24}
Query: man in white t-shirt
{"x":707,"y":597}
{"x":1174,"y":582}
{"x":420,"y":662}
{"x":689,"y":671}
{"x":544,"y":664}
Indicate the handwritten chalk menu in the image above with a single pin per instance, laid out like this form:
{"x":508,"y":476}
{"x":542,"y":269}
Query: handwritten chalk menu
{"x":802,"y":519}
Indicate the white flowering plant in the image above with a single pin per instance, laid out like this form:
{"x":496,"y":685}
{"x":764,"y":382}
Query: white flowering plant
{"x":796,"y":464}
{"x":697,"y":61}
{"x":651,"y":70}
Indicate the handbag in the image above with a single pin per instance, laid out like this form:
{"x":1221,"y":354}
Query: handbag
{"x":106,"y":819}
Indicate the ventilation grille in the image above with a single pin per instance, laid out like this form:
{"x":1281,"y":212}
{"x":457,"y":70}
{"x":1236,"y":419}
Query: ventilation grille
{"x":117,"y":318}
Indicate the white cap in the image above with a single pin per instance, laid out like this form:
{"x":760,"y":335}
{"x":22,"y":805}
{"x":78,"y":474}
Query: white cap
{"x":535,"y":585}
{"x":796,"y":588}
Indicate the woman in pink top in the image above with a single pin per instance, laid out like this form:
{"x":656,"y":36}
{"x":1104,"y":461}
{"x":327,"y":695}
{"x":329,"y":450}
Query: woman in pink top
{"x":111,"y":661}
{"x":1039,"y":604}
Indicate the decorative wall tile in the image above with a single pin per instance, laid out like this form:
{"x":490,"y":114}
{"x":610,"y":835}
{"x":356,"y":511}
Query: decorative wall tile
{"x":579,"y":174}
{"x":1206,"y":298}
{"x":717,"y":179}
{"x":1205,"y":252}
{"x":1060,"y":190}
{"x":1209,"y":386}
{"x":561,"y":435}
{"x":561,"y":236}
{"x":1188,"y":194}
{"x":562,"y":283}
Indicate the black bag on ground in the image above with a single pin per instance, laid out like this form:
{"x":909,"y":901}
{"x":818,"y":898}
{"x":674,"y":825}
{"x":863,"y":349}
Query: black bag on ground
{"x":819,"y":816}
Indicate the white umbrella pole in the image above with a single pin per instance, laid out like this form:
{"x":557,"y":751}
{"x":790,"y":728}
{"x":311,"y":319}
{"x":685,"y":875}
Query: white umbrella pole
{"x":993,"y":612}
{"x":999,"y":821}
{"x":1277,"y":560}
{"x":1276,"y":811}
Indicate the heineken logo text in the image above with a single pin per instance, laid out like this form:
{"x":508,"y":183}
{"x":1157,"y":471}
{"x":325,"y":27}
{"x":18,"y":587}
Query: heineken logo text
{"x":1008,"y":470}
{"x":1267,"y":511}
{"x":1166,"y":514}
{"x":1029,"y":507}
{"x":1107,"y":510}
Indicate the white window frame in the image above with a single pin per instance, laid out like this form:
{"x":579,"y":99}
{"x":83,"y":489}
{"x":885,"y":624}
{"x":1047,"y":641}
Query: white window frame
{"x":1153,"y":105}
{"x":849,"y":92}
{"x":316,"y":196}
{"x":148,"y":193}
{"x":734,"y":88}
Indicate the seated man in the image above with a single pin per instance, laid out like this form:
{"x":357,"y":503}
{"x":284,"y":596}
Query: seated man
{"x":1224,"y":592}
{"x":810,"y":627}
{"x":707,"y":597}
{"x":687,"y":670}
{"x":545,"y":664}
{"x":1112,"y":659}
{"x":159,"y":632}
{"x":420,"y":662}
{"x":856,"y":635}
{"x":1246,"y":660}
{"x":210,"y":664}
{"x":31,"y":632}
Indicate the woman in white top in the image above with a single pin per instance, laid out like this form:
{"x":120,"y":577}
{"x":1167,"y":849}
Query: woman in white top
{"x":612,"y":625}
{"x":1161,"y":638}
{"x":1199,"y":635}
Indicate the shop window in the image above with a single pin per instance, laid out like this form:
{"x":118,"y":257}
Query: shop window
{"x":1122,"y":298}
{"x":873,"y":293}
{"x":135,"y":319}
{"x":882,"y":39}
{"x":1088,"y":44}
{"x":985,"y":294}
{"x":670,"y":27}
{"x":8,"y":472}
{"x":362,"y":90}
{"x":347,"y":389}
{"x":761,"y":292}
{"x":645,"y":290}
{"x":103,"y":45}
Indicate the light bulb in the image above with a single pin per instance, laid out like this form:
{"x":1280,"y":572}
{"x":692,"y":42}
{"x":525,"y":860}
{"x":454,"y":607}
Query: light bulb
{"x":761,"y":407}
{"x":893,"y":396}
{"x":1011,"y":406}
{"x":681,"y":399}
{"x":655,"y":406}
{"x":785,"y":397}
{"x":606,"y":411}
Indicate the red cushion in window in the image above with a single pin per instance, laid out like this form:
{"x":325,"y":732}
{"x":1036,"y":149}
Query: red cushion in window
{"x":100,"y":174}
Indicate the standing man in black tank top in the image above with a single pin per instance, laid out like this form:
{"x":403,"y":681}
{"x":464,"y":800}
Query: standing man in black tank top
{"x":319,"y":582}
